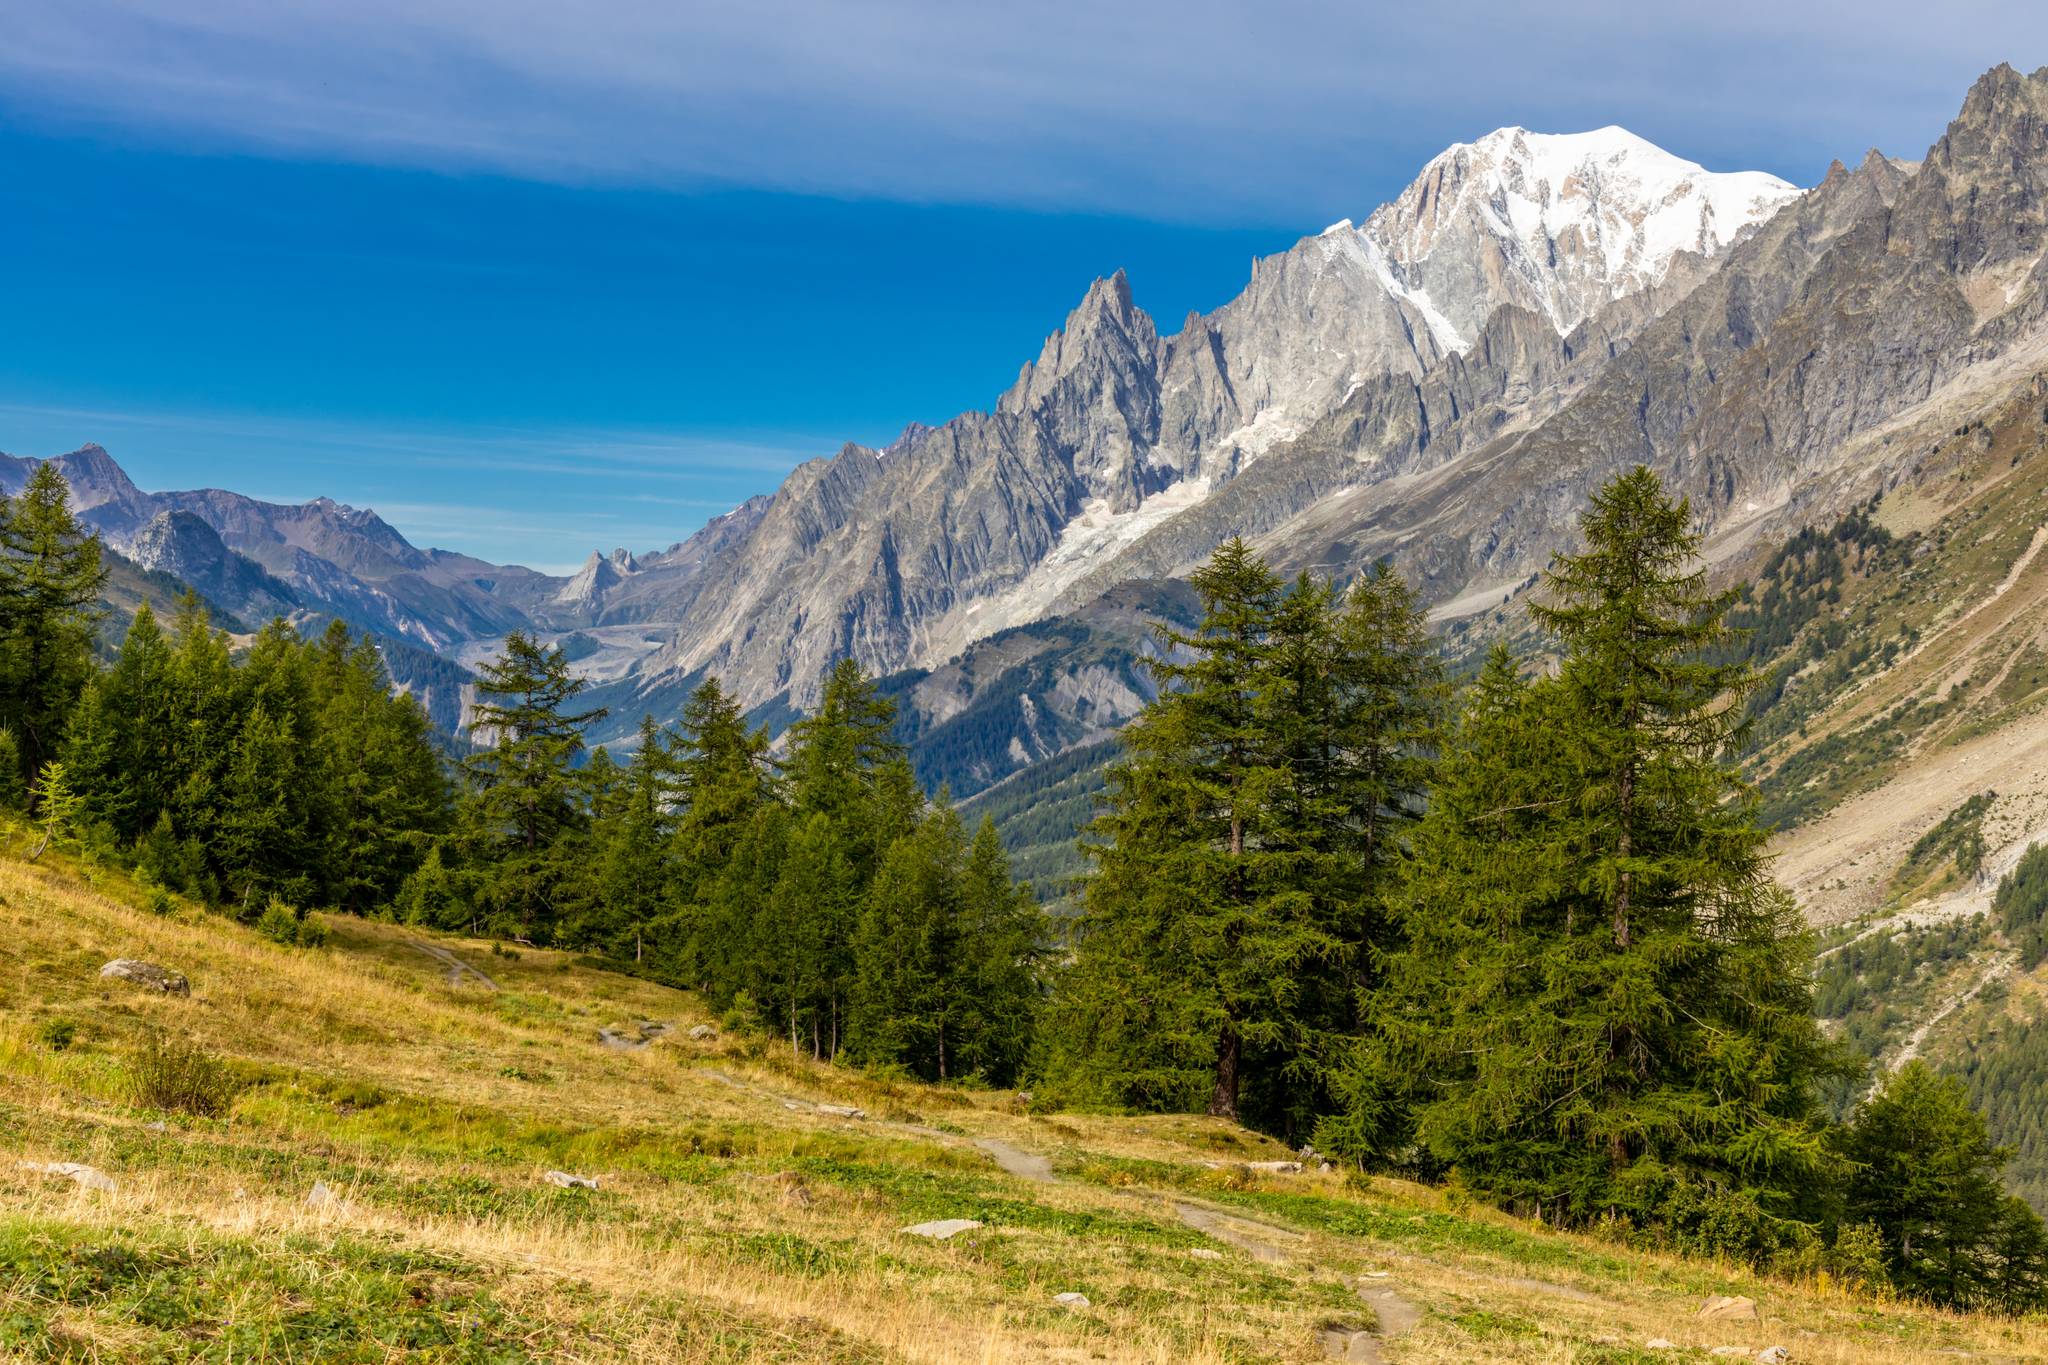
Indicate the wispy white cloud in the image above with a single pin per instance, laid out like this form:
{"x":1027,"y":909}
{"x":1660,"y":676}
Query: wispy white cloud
{"x":1187,"y":108}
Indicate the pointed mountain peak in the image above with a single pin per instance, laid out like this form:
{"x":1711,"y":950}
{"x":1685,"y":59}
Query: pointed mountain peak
{"x":1559,"y":223}
{"x":1108,"y":297}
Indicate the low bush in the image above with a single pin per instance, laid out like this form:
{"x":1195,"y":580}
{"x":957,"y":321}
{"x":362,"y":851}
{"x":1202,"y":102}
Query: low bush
{"x":178,"y":1075}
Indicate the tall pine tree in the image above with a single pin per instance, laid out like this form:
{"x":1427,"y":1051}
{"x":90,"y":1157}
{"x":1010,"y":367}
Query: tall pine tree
{"x":524,"y":809}
{"x":50,"y":581}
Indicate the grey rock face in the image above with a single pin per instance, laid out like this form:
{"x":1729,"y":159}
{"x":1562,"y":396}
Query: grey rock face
{"x":1114,"y":434}
{"x":183,"y":545}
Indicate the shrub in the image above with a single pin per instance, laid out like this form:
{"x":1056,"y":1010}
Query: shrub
{"x":279,"y":922}
{"x":58,"y":1034}
{"x":283,"y":923}
{"x":159,"y":901}
{"x":174,"y":1074}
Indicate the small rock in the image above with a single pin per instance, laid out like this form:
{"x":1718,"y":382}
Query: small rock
{"x":1205,"y":1253}
{"x":146,"y":974}
{"x":793,"y":1106}
{"x":1728,"y":1308}
{"x":1659,"y":1344}
{"x":157,"y":1126}
{"x":1773,"y":1355}
{"x":570,"y":1182}
{"x":703,"y":1033}
{"x":77,"y":1172}
{"x":1274,"y":1167}
{"x":842,"y":1111}
{"x":320,"y":1197}
{"x":943,"y":1228}
{"x":1326,"y":1168}
{"x":1072,"y":1300}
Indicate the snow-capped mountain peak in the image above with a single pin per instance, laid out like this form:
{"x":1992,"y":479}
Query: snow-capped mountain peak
{"x":1560,"y":223}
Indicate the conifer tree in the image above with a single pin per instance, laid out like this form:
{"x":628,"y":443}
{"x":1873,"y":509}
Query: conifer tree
{"x":907,"y":1005}
{"x":386,"y":791}
{"x":632,"y":867}
{"x":1925,"y":1173}
{"x":1000,"y":963}
{"x":524,"y":802}
{"x":122,"y":745}
{"x":50,"y":581}
{"x":1645,"y":1045}
{"x":1199,"y":921}
{"x":723,"y":773}
{"x":804,"y":934}
{"x":1482,"y":866}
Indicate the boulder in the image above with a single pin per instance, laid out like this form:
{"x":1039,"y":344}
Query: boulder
{"x":1728,"y":1308}
{"x":570,"y":1182}
{"x":842,"y":1111}
{"x":77,"y":1172}
{"x":703,"y":1033}
{"x":943,"y":1228}
{"x":632,"y":1037}
{"x":146,"y":974}
{"x":1274,"y":1167}
{"x":1773,"y":1355}
{"x":1072,"y":1300}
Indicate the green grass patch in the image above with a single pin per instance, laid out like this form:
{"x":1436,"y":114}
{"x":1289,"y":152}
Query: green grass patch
{"x":185,"y":1296}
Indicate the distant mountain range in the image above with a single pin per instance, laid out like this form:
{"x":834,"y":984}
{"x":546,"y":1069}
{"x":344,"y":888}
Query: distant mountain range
{"x":1441,"y":385}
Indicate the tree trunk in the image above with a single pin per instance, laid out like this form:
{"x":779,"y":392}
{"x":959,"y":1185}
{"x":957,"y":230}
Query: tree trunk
{"x":1223,"y":1100}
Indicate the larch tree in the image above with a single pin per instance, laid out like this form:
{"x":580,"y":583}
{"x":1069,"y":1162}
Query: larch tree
{"x":523,"y":805}
{"x":50,"y":580}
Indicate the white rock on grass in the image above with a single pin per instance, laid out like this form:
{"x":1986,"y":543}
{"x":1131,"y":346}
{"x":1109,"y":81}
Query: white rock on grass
{"x":77,"y":1172}
{"x":703,"y":1033}
{"x":843,"y":1111}
{"x":1773,"y":1355}
{"x":1072,"y":1300}
{"x":321,"y":1197}
{"x":1728,"y":1308}
{"x":1274,"y":1167}
{"x":570,"y":1182}
{"x":943,"y":1228}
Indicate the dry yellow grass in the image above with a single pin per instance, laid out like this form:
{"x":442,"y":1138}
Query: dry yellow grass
{"x":728,"y":1225}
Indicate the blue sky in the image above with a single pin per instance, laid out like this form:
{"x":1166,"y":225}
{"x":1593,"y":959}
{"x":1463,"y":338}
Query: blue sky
{"x":534,"y":277}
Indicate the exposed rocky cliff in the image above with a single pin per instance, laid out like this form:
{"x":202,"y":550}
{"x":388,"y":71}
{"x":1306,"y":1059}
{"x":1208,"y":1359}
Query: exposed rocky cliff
{"x":1462,"y":308}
